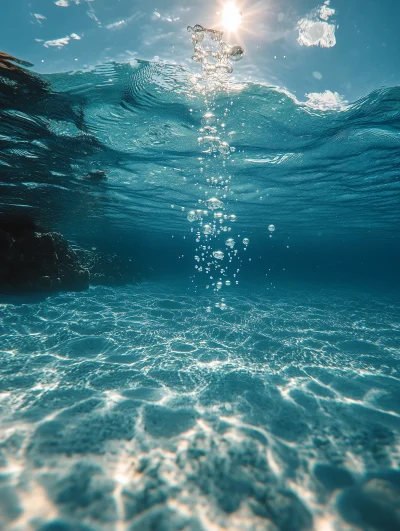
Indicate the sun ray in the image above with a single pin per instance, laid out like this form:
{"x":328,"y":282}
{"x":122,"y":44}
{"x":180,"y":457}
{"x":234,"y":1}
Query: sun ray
{"x":231,"y":17}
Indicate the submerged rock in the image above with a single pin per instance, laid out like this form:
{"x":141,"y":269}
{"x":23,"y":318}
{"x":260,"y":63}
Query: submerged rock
{"x":37,"y":261}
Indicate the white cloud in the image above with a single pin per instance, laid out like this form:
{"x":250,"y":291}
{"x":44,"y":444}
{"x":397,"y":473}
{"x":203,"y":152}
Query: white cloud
{"x":59,"y":43}
{"x":316,"y":34}
{"x":135,"y":17}
{"x":63,"y":41}
{"x":326,"y":12}
{"x":314,"y":29}
{"x":39,"y":18}
{"x":326,"y":101}
{"x":165,"y":18}
{"x":66,"y":3}
{"x":116,"y":25}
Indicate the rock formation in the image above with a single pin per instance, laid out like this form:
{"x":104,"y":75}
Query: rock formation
{"x":37,"y":261}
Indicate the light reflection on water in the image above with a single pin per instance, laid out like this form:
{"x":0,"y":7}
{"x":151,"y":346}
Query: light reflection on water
{"x":134,"y":408}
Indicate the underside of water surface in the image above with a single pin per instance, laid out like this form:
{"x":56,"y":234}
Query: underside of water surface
{"x":269,"y":402}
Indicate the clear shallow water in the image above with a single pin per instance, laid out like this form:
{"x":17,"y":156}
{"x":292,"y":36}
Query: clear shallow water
{"x":313,"y":170}
{"x":134,"y":408}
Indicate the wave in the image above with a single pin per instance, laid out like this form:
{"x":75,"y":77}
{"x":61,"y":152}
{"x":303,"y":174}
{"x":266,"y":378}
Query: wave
{"x":120,"y":142}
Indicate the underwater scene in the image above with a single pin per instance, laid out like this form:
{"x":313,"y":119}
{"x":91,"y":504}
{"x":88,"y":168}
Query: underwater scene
{"x":199,"y":268}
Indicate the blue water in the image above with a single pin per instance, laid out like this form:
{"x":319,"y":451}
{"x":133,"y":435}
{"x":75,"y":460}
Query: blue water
{"x":147,"y":407}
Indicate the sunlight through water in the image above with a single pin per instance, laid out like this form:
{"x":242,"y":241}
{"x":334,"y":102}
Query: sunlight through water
{"x":231,"y":17}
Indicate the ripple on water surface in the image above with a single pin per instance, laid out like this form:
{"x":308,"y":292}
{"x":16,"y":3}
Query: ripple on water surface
{"x":279,"y":413}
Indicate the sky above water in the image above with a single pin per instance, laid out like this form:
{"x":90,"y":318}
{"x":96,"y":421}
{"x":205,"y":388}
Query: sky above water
{"x":346,"y":47}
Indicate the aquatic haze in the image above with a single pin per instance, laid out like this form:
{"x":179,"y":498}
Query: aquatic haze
{"x":264,"y":398}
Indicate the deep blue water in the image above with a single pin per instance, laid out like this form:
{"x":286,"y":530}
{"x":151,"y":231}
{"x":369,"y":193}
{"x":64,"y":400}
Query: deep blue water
{"x":149,"y":407}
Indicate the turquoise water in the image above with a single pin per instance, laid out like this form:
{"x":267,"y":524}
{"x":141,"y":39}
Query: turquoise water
{"x":133,"y":408}
{"x":269,"y":403}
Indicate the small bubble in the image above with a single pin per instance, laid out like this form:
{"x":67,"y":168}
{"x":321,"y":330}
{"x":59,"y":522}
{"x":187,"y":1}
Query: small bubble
{"x":209,"y":117}
{"x":218,"y":255}
{"x":213,"y":203}
{"x":236,"y":53}
{"x":246,"y":241}
{"x":271,"y":228}
{"x":227,"y":282}
{"x":224,"y":148}
{"x":230,"y":242}
{"x":192,"y":216}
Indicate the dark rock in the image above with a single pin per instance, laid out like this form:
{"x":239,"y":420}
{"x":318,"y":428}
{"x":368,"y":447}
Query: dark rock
{"x":36,"y":261}
{"x":18,"y":224}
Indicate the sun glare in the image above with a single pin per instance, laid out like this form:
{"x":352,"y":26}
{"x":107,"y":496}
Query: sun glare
{"x":231,"y":17}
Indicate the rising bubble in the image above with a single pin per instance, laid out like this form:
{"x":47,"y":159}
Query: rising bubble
{"x":213,"y":203}
{"x":235,"y":53}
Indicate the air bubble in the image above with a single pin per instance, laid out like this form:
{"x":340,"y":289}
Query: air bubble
{"x":216,"y":58}
{"x":224,"y":148}
{"x":235,"y":53}
{"x":246,"y":241}
{"x":192,"y":216}
{"x":209,"y":118}
{"x":213,"y":203}
{"x":271,"y":228}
